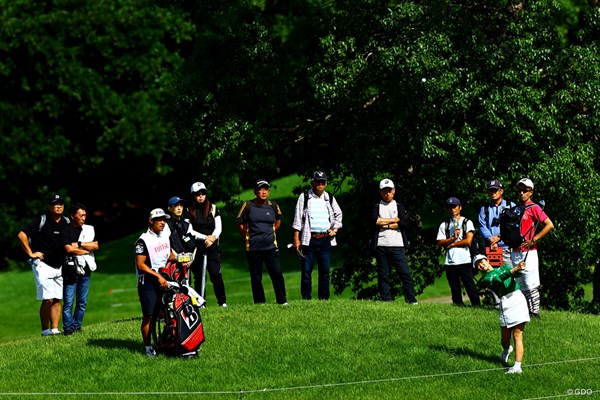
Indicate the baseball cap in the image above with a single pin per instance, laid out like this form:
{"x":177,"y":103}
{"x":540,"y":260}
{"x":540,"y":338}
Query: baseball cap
{"x":386,"y":183}
{"x":478,"y":258}
{"x":55,"y":198}
{"x":495,"y":184}
{"x":452,"y":201}
{"x":261,"y":183}
{"x":175,"y":200}
{"x":197,"y":186}
{"x":319,"y":176}
{"x":526,"y":181}
{"x":158,"y":213}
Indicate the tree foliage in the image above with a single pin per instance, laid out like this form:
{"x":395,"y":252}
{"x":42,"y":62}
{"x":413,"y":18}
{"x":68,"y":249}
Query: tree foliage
{"x":82,"y":84}
{"x":440,"y":97}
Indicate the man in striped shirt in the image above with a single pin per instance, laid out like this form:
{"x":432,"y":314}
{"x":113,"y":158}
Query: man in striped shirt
{"x":316,"y":222}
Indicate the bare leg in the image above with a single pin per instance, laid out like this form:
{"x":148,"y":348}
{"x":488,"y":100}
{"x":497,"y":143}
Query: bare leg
{"x":55,"y":312}
{"x":146,"y":329}
{"x":518,"y":337}
{"x":505,"y":341}
{"x":45,"y":313}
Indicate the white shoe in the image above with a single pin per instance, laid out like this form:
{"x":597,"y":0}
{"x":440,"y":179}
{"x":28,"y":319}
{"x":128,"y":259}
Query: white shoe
{"x":513,"y":370}
{"x":55,"y":331}
{"x":224,"y":305}
{"x":505,"y":354}
{"x":47,"y":332}
{"x":285,"y":304}
{"x":151,"y":352}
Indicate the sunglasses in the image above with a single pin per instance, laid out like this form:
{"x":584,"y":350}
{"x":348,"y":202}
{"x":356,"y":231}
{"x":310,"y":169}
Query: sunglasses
{"x":524,"y":190}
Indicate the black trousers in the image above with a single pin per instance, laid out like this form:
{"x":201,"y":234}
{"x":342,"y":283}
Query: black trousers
{"x":270,"y":258}
{"x":457,"y":273}
{"x":213,"y":267}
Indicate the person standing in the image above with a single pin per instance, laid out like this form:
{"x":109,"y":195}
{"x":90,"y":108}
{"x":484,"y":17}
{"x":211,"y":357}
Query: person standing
{"x":152,"y":252}
{"x":317,"y":219}
{"x":489,"y":219}
{"x":529,"y":280}
{"x":455,"y":236}
{"x":258,"y":222}
{"x":389,"y":220}
{"x":42,"y":240}
{"x":207,"y":227}
{"x":183,"y":243}
{"x":513,"y":306}
{"x":80,"y":240}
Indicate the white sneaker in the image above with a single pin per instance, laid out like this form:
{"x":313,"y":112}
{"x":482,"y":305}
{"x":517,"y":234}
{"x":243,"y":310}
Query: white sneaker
{"x":47,"y":332}
{"x":224,"y":305}
{"x":514,"y":370}
{"x":151,"y":352}
{"x":505,"y":354}
{"x":55,"y":331}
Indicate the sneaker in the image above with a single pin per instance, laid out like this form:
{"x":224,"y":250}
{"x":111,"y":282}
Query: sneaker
{"x":47,"y":332}
{"x":224,"y":305}
{"x":55,"y":331}
{"x":68,"y":332}
{"x":285,"y":304}
{"x":513,"y":370}
{"x":504,"y":355}
{"x":414,"y":303}
{"x":151,"y":352}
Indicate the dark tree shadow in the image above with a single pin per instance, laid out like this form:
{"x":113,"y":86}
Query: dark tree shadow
{"x":463,"y":352}
{"x":133,"y":346}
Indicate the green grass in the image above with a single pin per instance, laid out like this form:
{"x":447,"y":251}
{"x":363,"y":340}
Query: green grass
{"x":341,"y":349}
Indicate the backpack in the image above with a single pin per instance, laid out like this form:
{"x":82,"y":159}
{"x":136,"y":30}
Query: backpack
{"x":510,"y":225}
{"x":476,"y":247}
{"x":509,"y":204}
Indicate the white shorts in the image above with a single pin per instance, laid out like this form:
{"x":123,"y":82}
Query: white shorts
{"x":48,"y":280}
{"x":513,"y":309}
{"x":530,"y":277}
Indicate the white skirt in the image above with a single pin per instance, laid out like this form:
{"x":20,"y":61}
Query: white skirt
{"x":513,"y":309}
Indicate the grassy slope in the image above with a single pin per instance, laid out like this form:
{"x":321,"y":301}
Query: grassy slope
{"x":312,"y":350}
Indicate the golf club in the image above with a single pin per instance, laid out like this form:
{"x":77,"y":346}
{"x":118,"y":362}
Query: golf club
{"x":203,"y":286}
{"x":542,"y":204}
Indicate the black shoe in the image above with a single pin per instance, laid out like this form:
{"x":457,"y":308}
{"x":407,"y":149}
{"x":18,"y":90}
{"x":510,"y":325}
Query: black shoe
{"x":67,"y":332}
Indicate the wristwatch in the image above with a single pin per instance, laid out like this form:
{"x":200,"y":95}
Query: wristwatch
{"x":79,"y":244}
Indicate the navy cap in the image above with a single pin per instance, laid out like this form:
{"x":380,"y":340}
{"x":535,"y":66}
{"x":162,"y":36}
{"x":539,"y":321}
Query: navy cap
{"x":452,"y":201}
{"x":319,"y":176}
{"x":175,"y":200}
{"x":55,"y":198}
{"x":495,"y":184}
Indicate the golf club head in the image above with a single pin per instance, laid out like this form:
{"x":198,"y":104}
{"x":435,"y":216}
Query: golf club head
{"x":542,"y":203}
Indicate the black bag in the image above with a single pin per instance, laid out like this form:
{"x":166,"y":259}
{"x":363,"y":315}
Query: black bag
{"x":69,"y":267}
{"x":510,"y":225}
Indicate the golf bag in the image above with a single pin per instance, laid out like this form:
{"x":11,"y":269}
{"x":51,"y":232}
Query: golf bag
{"x":177,"y":329}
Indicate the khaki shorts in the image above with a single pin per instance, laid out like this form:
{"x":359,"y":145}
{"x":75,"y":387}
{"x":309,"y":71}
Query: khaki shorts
{"x":48,"y":280}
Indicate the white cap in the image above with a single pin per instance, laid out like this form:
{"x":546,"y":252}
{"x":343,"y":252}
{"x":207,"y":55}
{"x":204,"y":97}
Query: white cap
{"x":196,"y":187}
{"x":386,"y":183}
{"x":477,"y":258}
{"x":158,"y":213}
{"x":527,"y":182}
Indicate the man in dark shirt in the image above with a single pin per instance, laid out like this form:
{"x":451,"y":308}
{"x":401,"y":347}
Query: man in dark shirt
{"x":258,"y":222}
{"x":42,"y":240}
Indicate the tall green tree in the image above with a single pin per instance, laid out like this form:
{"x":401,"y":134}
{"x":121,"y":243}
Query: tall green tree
{"x":82,"y":86}
{"x":438,"y":96}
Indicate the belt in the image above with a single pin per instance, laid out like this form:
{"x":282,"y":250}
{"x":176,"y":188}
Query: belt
{"x":319,"y":235}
